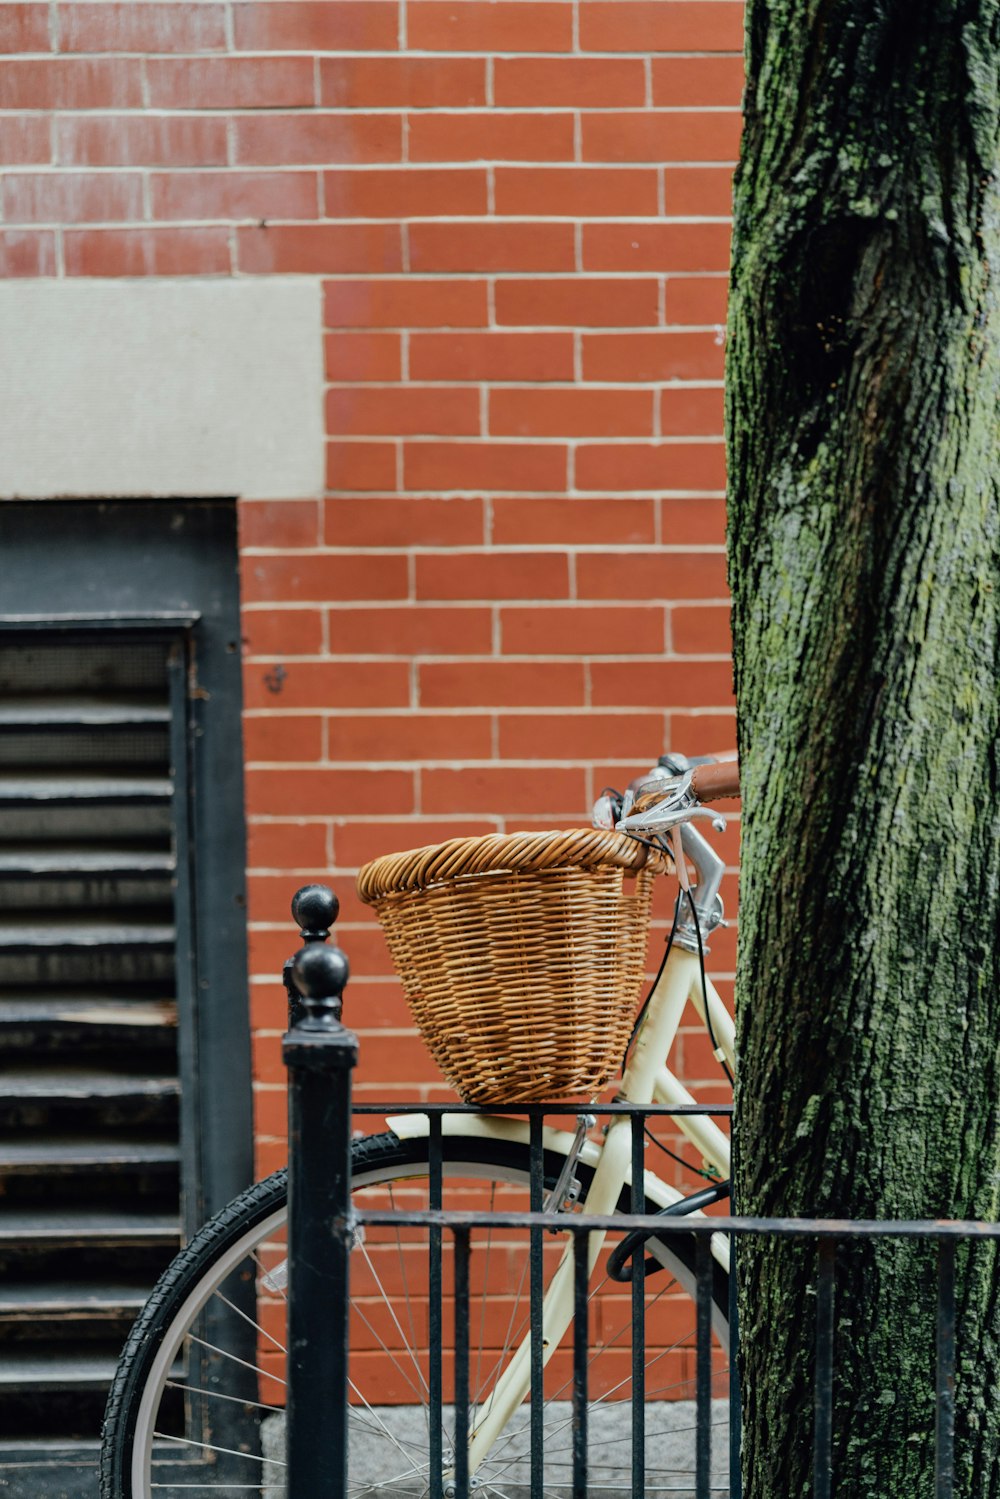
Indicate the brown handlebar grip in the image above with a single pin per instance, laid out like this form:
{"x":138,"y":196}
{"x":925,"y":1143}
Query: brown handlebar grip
{"x":710,"y":783}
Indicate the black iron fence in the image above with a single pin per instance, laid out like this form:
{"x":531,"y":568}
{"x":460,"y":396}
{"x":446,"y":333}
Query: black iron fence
{"x":323,"y":1228}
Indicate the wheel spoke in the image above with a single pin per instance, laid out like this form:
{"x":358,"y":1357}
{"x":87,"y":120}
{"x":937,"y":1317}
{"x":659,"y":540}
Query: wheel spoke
{"x":200,"y":1435}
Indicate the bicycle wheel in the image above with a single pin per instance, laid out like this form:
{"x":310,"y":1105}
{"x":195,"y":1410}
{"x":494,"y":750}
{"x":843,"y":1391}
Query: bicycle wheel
{"x":196,"y":1404}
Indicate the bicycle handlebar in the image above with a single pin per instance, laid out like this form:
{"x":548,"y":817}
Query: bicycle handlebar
{"x":715,"y":781}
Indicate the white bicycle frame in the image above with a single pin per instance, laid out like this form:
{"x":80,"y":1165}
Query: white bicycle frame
{"x":647,"y":1080}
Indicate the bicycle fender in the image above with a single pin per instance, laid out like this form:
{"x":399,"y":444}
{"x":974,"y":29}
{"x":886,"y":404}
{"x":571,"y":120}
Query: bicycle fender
{"x":501,"y":1127}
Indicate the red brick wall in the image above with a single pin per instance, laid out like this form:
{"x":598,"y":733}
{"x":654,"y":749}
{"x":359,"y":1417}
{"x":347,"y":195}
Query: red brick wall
{"x":513,"y":590}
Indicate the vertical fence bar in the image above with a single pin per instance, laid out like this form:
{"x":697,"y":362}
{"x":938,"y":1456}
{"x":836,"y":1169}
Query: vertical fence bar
{"x":703,"y":1368}
{"x":535,"y":1295}
{"x":735,"y":1407}
{"x":944,"y":1454}
{"x":581,"y":1334}
{"x":435,"y":1391}
{"x":823,"y":1397}
{"x":637,"y":1205}
{"x":319,"y":1054}
{"x":461,"y":1247}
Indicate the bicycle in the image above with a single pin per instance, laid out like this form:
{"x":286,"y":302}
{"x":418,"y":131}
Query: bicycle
{"x":196,"y":1401}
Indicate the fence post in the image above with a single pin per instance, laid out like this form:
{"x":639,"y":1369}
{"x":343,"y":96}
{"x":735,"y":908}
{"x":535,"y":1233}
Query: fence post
{"x":319,"y":1054}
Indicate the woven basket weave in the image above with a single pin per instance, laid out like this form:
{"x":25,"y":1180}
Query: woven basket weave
{"x":521,"y":956}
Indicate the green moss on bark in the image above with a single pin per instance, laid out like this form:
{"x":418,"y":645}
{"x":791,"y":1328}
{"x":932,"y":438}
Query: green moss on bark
{"x":864,"y":450}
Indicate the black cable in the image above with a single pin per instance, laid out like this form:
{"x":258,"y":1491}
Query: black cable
{"x":704,"y":988}
{"x":659,"y":974}
{"x":709,"y":1176}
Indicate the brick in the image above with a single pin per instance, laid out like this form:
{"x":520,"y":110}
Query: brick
{"x":286,"y":845}
{"x":501,"y":684}
{"x":318,"y":249}
{"x":301,"y":792}
{"x":492,"y":575}
{"x":704,"y":631}
{"x":504,"y":790}
{"x":73,"y":83}
{"x":653,"y":135}
{"x":24,"y":28}
{"x":693,"y":522}
{"x":652,"y":575}
{"x":661,"y":683}
{"x":410,"y":631}
{"x":327,"y":684}
{"x":675,"y":466}
{"x":411,"y":736}
{"x":489,"y":26}
{"x":147,"y":252}
{"x":486,"y":465}
{"x":25,"y":140}
{"x":576,"y":192}
{"x":403,"y":410}
{"x":357,"y":842}
{"x":361,"y":465}
{"x":298,"y":738}
{"x":279,"y":523}
{"x":409,"y":303}
{"x":402,"y":82}
{"x":142,"y":140}
{"x":685,"y":81}
{"x":270,"y":1113}
{"x":650,"y":26}
{"x":317,"y":25}
{"x":326,"y":139}
{"x":307,"y":577}
{"x":403,"y":522}
{"x":576,"y":522}
{"x":234,"y":195}
{"x":579,"y":631}
{"x":578,"y":301}
{"x":492,"y":247}
{"x":269,"y":900}
{"x":585,"y":82}
{"x":282,"y":632}
{"x":128,"y":27}
{"x":691,"y":411}
{"x":693,"y":300}
{"x":652,"y":356}
{"x":491,"y":137}
{"x":407,"y":193}
{"x":70,"y":197}
{"x":491,"y":356}
{"x":656,"y":247}
{"x":25,"y":252}
{"x":576,"y":412}
{"x":362,"y":356}
{"x":698,"y":192}
{"x":230,"y":82}
{"x":576,"y":736}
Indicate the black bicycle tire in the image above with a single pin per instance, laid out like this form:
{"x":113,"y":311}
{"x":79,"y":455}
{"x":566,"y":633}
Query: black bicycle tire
{"x":253,"y":1207}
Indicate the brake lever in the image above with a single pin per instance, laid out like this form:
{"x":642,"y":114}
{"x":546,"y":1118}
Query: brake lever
{"x":678,"y":805}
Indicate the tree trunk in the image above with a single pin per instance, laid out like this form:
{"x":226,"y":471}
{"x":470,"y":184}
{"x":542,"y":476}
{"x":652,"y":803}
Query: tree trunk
{"x":863,"y":407}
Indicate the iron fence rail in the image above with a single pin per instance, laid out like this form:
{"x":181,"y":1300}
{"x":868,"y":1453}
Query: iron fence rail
{"x":320,"y":1055}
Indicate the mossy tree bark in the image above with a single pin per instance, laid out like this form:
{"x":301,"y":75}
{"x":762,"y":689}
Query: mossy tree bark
{"x":863,"y":379}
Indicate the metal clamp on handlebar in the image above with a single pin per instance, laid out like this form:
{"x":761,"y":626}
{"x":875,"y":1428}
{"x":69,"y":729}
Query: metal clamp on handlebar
{"x":675,"y":803}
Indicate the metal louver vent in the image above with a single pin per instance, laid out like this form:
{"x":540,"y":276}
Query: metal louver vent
{"x":89,"y":1089}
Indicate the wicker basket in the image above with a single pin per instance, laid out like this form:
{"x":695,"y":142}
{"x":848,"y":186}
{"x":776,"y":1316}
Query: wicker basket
{"x":521,"y":956}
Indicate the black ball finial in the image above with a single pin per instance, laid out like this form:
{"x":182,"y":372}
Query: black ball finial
{"x":320,"y":974}
{"x":315,"y":908}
